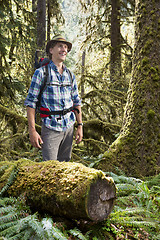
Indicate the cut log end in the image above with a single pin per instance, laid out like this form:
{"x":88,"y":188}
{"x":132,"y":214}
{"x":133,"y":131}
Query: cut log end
{"x":101,"y":200}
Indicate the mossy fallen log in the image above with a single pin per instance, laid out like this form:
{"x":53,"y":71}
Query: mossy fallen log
{"x":62,"y":189}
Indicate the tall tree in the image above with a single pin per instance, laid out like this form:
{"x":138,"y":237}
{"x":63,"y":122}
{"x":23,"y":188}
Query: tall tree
{"x":137,"y":149}
{"x":48,"y":20}
{"x":17,"y":36}
{"x":41,"y":24}
{"x":105,"y":89}
{"x":18,"y":21}
{"x":115,"y":58}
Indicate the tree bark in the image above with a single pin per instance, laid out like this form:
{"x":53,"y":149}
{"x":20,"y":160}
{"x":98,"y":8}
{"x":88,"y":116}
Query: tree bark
{"x":62,"y":189}
{"x":137,"y":149}
{"x":115,"y":58}
{"x":34,"y":7}
{"x":41,"y":24}
{"x":48,"y":20}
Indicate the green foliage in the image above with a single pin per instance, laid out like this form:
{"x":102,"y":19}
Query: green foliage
{"x":16,"y":35}
{"x":17,"y":44}
{"x":136,"y":212}
{"x":137,"y":207}
{"x":135,"y":216}
{"x":102,"y":99}
{"x":14,"y":140}
{"x":10,"y":181}
{"x":16,"y":222}
{"x":78,"y":234}
{"x":53,"y":232}
{"x":150,"y":114}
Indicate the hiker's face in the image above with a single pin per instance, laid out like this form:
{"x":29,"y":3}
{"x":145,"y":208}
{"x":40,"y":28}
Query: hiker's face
{"x":59,"y":52}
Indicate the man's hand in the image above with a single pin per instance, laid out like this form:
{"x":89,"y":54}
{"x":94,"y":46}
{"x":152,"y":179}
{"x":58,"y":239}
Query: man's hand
{"x":35,"y":139}
{"x":79,"y":134}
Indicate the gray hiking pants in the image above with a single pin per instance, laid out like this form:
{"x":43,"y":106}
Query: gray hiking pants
{"x":56,"y":145}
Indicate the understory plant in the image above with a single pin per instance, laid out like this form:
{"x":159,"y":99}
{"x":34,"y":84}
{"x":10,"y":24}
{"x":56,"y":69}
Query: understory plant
{"x":134,"y":216}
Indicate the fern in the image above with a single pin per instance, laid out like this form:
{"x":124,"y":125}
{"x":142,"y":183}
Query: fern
{"x":153,"y":181}
{"x":136,"y":208}
{"x":125,"y":189}
{"x":8,"y":209}
{"x":7,"y":201}
{"x":10,"y":231}
{"x":14,"y":223}
{"x":2,"y":169}
{"x":10,"y":217}
{"x":77,"y":233}
{"x":10,"y":181}
{"x":7,"y":225}
{"x":130,"y":214}
{"x":136,"y":205}
{"x":17,"y":236}
{"x":99,"y":231}
{"x":124,"y":179}
{"x":51,"y":231}
{"x":34,"y":224}
{"x":28,"y":234}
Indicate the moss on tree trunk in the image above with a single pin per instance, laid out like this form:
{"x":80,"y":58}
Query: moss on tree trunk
{"x":59,"y":188}
{"x":137,"y":149}
{"x":13,"y":116}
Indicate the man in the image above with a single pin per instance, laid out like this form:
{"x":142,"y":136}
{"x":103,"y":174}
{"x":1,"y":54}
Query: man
{"x":60,"y":93}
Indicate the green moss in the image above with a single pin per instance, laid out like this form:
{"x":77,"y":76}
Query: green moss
{"x":147,"y":46}
{"x":52,"y":176}
{"x":155,"y":77}
{"x":151,"y":114}
{"x":144,"y":10}
{"x":155,"y":73}
{"x":154,"y":17}
{"x":152,"y":12}
{"x":158,"y":69}
{"x":145,"y":61}
{"x":153,"y":70}
{"x":52,"y":182}
{"x":9,"y":167}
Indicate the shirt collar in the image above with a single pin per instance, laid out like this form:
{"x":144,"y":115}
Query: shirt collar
{"x":54,"y":67}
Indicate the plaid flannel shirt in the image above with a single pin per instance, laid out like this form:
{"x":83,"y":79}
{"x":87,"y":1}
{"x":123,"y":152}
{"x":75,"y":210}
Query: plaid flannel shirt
{"x":60,"y":93}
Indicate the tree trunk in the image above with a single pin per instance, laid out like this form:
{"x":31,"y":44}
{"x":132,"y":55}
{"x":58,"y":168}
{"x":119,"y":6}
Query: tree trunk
{"x":115,"y":58}
{"x":41,"y":24}
{"x":34,"y":7}
{"x":137,"y":149}
{"x":61,"y":189}
{"x":48,"y":20}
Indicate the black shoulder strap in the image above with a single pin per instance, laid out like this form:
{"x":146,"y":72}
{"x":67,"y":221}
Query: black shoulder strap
{"x":43,"y":86}
{"x":70,"y":74}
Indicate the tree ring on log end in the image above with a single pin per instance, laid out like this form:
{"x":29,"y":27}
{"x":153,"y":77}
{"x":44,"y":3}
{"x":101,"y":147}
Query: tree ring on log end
{"x":100,"y":199}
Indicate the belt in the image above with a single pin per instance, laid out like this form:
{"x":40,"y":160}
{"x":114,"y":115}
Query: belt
{"x":45,"y":112}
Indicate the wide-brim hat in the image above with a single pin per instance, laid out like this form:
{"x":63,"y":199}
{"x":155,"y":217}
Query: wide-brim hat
{"x":58,"y":38}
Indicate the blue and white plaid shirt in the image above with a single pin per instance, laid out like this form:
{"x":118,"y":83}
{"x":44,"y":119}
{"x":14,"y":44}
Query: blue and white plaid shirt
{"x":60,"y":93}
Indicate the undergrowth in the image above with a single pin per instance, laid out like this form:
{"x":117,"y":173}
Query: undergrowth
{"x":135,"y":216}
